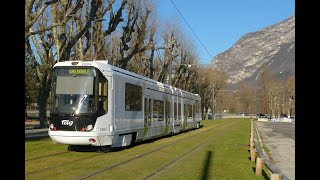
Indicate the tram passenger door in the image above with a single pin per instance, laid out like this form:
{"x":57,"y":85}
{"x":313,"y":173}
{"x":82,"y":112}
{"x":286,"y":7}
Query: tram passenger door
{"x":147,"y":116}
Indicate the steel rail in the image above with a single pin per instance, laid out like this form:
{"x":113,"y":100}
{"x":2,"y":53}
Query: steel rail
{"x":193,"y":149}
{"x":145,"y":154}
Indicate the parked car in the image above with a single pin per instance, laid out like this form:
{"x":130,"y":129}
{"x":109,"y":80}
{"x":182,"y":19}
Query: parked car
{"x":243,"y":114}
{"x":292,"y":118}
{"x":260,"y":115}
{"x":283,"y":116}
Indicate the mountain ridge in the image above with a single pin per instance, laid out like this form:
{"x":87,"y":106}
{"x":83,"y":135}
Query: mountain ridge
{"x":272,"y":47}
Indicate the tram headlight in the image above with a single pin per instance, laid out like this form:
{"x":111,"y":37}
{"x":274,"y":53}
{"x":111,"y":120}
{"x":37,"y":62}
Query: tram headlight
{"x":51,"y":126}
{"x":89,"y":127}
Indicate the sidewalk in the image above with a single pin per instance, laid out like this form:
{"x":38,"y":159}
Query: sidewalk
{"x":279,"y":140}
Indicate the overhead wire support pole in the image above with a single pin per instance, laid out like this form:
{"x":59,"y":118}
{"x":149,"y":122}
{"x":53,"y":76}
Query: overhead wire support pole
{"x":213,"y":103}
{"x":170,"y":59}
{"x":170,"y":67}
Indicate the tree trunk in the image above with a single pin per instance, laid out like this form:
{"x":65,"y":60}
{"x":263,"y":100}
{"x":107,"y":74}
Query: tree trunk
{"x":123,"y":63}
{"x":206,"y":113}
{"x":278,"y":109}
{"x":151,"y":64}
{"x":289,"y":108}
{"x":42,"y":108}
{"x":272,"y":114}
{"x":42,"y":99}
{"x":25,"y":113}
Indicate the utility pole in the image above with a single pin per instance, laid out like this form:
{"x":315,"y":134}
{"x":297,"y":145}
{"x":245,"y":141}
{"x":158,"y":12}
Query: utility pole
{"x":170,"y":60}
{"x":170,"y":67}
{"x":212,"y":103}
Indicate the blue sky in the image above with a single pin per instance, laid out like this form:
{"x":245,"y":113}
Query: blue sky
{"x":220,"y":23}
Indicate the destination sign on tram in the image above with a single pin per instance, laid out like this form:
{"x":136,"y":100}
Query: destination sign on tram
{"x":79,"y":71}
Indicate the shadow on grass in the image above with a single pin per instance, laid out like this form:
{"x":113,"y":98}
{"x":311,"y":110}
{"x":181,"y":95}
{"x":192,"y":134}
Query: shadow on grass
{"x":206,"y":166}
{"x":264,"y":174}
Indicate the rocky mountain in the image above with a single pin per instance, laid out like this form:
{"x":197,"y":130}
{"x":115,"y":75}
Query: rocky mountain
{"x":272,"y":47}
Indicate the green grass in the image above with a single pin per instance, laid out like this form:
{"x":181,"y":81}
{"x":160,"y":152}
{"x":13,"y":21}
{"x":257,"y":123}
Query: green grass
{"x":225,"y":156}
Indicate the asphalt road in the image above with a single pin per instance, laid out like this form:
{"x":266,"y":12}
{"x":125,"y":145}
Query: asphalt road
{"x":279,"y":139}
{"x":36,"y":133}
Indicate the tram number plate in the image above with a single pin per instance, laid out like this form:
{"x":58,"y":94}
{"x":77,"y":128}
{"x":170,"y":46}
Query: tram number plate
{"x":103,"y":129}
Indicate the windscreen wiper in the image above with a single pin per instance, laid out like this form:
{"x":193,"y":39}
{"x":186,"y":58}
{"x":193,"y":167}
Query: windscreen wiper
{"x":79,"y":104}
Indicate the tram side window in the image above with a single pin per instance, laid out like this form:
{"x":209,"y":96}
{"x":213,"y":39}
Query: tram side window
{"x":158,"y":108}
{"x":103,"y":94}
{"x":167,"y":112}
{"x":133,"y":97}
{"x":189,"y":111}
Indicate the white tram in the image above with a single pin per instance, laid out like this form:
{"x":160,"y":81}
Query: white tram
{"x":94,"y":103}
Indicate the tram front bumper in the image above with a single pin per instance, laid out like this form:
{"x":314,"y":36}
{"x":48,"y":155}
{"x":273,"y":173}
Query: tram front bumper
{"x":80,"y":138}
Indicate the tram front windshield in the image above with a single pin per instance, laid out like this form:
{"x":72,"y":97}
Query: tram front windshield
{"x":73,"y":91}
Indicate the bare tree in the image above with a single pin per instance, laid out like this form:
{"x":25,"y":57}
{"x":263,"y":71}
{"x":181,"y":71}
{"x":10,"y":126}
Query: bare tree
{"x":142,"y":62}
{"x":272,"y":89}
{"x":52,"y":33}
{"x":33,"y":11}
{"x":169,"y":46}
{"x":135,"y":32}
{"x":61,"y":30}
{"x":210,"y":82}
{"x":245,"y":98}
{"x":291,"y":91}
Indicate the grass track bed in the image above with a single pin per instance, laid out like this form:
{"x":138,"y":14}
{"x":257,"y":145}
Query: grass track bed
{"x":191,"y":166}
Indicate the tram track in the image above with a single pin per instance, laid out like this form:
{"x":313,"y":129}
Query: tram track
{"x":122,"y":162}
{"x":166,"y":166}
{"x":31,"y":159}
{"x":58,"y":165}
{"x":158,"y":149}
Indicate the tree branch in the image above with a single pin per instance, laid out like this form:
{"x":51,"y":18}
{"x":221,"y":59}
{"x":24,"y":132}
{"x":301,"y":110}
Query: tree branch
{"x":30,"y":33}
{"x":46,"y":4}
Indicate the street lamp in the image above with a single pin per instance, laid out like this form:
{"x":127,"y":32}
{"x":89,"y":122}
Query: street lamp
{"x":92,"y":36}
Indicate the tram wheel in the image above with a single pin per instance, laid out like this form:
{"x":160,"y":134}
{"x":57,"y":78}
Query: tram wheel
{"x":72,"y":148}
{"x":105,"y":148}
